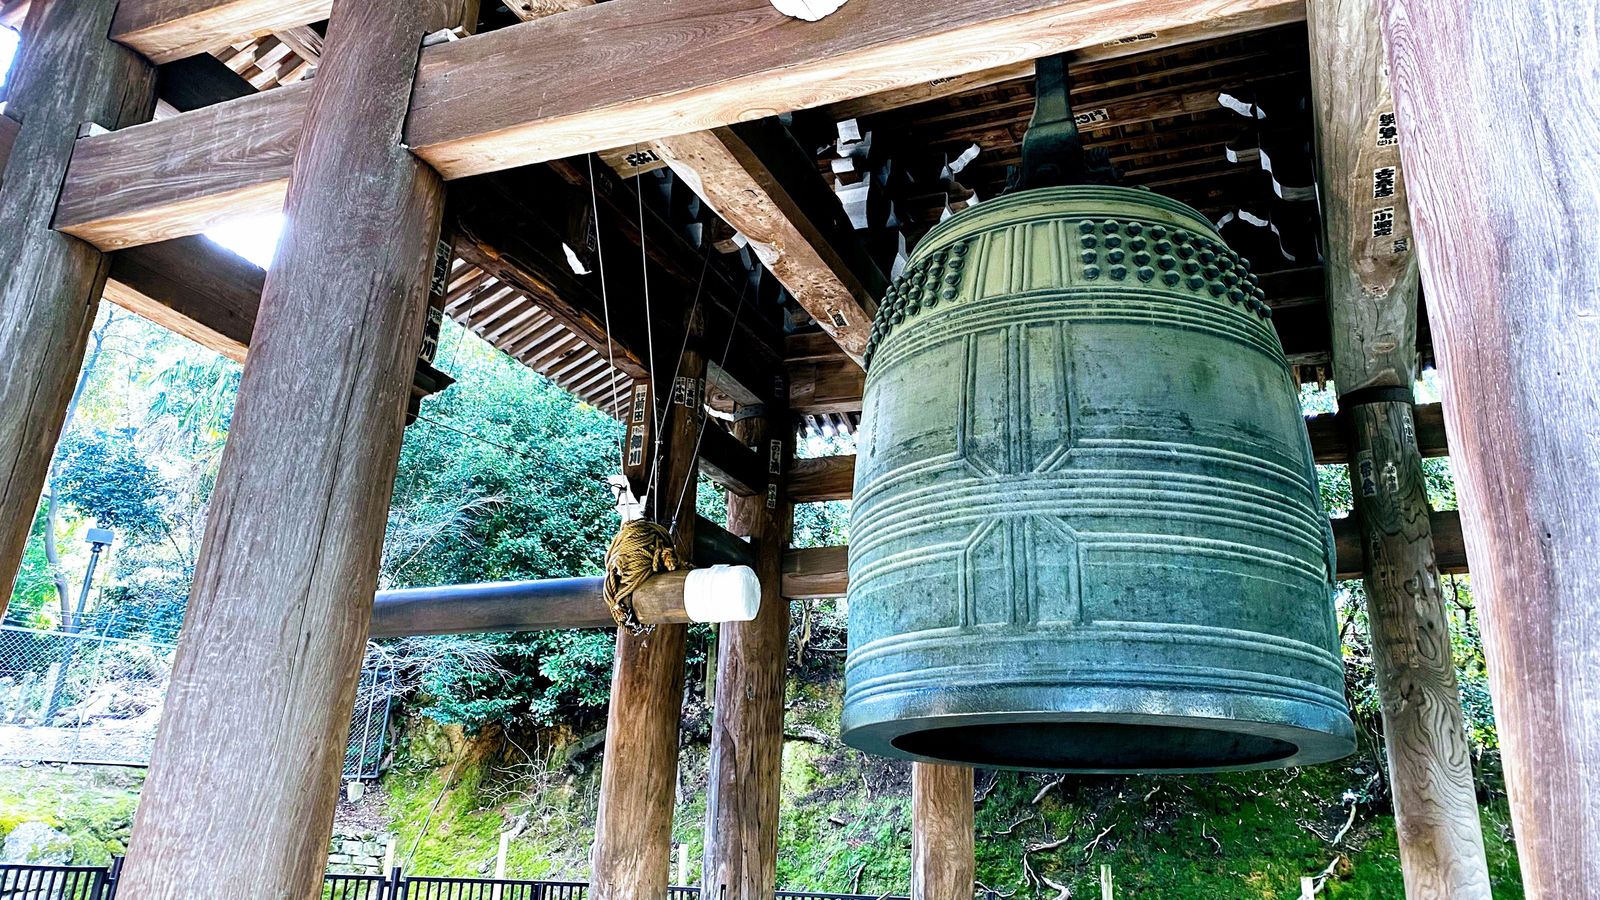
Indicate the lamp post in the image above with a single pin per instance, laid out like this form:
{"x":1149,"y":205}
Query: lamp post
{"x":99,"y":539}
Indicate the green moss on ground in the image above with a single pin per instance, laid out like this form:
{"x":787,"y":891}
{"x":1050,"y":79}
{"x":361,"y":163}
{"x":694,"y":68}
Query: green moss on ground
{"x":92,"y":805}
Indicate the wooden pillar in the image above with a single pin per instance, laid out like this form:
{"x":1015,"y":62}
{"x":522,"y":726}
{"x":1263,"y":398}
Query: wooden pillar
{"x":245,"y":772}
{"x":942,"y":862}
{"x":68,"y":75}
{"x":741,"y":839}
{"x":1497,"y":116}
{"x":632,"y":854}
{"x":1370,"y":264}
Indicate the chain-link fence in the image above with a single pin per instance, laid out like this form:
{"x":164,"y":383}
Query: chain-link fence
{"x":87,"y":698}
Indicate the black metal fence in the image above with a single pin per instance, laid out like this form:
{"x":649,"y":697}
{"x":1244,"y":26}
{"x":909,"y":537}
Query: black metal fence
{"x":60,"y":882}
{"x":32,"y":882}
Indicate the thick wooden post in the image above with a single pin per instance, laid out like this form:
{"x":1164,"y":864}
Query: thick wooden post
{"x":245,"y":772}
{"x":68,"y":75}
{"x":942,"y":863}
{"x":632,"y":854}
{"x":1497,"y":113}
{"x":741,"y":843}
{"x":1371,"y":272}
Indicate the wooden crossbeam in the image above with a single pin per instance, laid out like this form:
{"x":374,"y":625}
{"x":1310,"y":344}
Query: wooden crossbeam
{"x":192,"y":287}
{"x":833,"y":477}
{"x":766,"y":186}
{"x":472,"y":111}
{"x":726,"y":460}
{"x":820,"y":572}
{"x":167,"y":30}
{"x":1222,"y":26}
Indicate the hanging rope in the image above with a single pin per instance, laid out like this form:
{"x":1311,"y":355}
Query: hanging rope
{"x":641,"y":549}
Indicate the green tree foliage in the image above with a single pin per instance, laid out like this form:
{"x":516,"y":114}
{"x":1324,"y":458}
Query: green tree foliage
{"x":105,"y":478}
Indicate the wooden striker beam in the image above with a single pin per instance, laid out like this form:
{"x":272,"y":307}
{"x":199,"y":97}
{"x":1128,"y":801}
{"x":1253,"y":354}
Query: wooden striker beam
{"x":250,"y":747}
{"x":1371,"y":274}
{"x":68,"y":74}
{"x":1505,"y":228}
{"x":741,"y":830}
{"x":942,"y":862}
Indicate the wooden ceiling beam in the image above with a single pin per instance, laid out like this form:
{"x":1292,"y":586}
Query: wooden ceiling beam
{"x":733,"y":61}
{"x":193,"y":287}
{"x":167,"y":30}
{"x":767,"y":187}
{"x":1223,"y":26}
{"x":814,"y":573}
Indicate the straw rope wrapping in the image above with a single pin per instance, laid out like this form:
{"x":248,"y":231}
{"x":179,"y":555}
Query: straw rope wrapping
{"x":641,"y":549}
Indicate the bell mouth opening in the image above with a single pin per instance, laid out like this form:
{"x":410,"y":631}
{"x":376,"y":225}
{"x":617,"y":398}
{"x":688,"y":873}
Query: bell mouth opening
{"x":1094,"y":747}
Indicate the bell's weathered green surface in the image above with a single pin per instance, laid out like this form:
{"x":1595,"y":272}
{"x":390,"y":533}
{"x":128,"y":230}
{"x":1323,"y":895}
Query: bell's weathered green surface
{"x":1086,"y":533}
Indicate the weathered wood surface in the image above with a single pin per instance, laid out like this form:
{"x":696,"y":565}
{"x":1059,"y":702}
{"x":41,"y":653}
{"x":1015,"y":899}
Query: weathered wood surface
{"x":942,"y":861}
{"x":729,"y":461}
{"x":819,"y":572}
{"x":473,"y":113}
{"x":182,"y":175}
{"x":1430,"y":767}
{"x":68,"y":74}
{"x":632,"y":852}
{"x":1225,"y":25}
{"x":1505,"y":217}
{"x":823,"y":478}
{"x":8,"y":136}
{"x":746,"y":748}
{"x":166,"y":30}
{"x":193,"y":287}
{"x":763,"y":184}
{"x":1370,"y":268}
{"x":251,"y":742}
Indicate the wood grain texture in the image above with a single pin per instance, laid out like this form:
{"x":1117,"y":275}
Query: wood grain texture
{"x":821,"y":572}
{"x":632,"y":853}
{"x":1371,"y":288}
{"x":757,"y":180}
{"x":746,"y":745}
{"x":731,"y":61}
{"x":165,"y":30}
{"x":473,"y":114}
{"x":182,"y":175}
{"x":1372,"y":280}
{"x":1128,"y":45}
{"x":193,"y":287}
{"x":1505,"y":220}
{"x":942,"y":862}
{"x":8,"y":136}
{"x":729,"y":461}
{"x":1430,"y":767}
{"x":823,"y":478}
{"x":67,"y":74}
{"x":251,"y":743}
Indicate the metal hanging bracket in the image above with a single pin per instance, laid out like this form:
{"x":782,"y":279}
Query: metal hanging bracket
{"x":1052,"y":150}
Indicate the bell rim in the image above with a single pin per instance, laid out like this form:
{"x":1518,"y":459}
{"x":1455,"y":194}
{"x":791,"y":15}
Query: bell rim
{"x":1318,"y":733}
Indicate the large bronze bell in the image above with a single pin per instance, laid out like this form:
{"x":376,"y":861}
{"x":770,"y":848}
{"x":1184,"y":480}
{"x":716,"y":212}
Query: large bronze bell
{"x":1086,"y":533}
